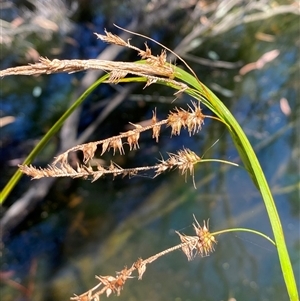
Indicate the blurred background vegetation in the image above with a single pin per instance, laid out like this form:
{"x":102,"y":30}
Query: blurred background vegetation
{"x":58,"y":234}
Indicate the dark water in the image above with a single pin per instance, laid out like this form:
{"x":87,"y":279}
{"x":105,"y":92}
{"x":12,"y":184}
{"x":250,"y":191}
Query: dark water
{"x":81,"y":229}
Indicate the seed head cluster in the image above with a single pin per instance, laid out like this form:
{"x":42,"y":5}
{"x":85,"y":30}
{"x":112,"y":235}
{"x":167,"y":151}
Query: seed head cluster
{"x":201,"y":244}
{"x":154,"y":69}
{"x":191,"y":119}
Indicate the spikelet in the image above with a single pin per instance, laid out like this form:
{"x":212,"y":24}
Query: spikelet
{"x":185,"y":160}
{"x":201,"y":244}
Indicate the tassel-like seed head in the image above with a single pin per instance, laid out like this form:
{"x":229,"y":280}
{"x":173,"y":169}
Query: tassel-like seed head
{"x":206,"y":239}
{"x":202,"y":244}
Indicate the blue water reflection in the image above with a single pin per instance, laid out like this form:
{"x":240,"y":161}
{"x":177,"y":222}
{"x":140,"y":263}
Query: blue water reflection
{"x":81,"y":229}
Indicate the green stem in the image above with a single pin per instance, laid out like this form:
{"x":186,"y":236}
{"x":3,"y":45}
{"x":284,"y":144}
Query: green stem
{"x":220,"y":161}
{"x":244,"y":230}
{"x":254,"y":169}
{"x":200,"y":92}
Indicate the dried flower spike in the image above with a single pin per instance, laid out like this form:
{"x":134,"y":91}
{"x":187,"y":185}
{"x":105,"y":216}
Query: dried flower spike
{"x":191,"y":119}
{"x":206,"y":240}
{"x":202,"y":244}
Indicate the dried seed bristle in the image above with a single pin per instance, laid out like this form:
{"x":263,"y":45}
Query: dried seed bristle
{"x":202,"y":244}
{"x":111,"y":38}
{"x":189,"y":245}
{"x":206,"y":240}
{"x":89,"y":152}
{"x":140,"y":265}
{"x":184,"y":160}
{"x":191,"y":119}
{"x":145,"y":54}
{"x":156,"y":127}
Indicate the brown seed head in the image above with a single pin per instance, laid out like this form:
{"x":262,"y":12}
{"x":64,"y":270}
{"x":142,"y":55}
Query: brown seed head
{"x":206,"y":239}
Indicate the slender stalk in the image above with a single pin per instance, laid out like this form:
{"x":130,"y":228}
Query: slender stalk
{"x":254,"y":169}
{"x":244,"y":230}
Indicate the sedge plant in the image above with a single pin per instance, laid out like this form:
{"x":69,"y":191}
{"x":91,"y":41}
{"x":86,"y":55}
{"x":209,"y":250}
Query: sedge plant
{"x":152,"y":70}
